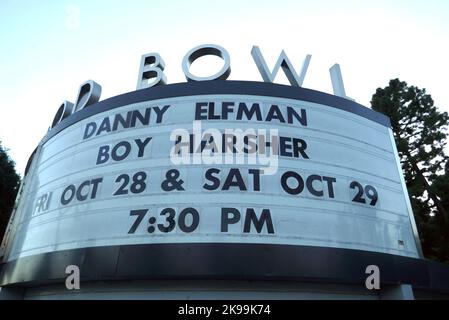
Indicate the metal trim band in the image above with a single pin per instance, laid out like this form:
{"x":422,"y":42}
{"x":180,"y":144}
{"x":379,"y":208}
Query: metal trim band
{"x":221,"y":261}
{"x":220,"y":87}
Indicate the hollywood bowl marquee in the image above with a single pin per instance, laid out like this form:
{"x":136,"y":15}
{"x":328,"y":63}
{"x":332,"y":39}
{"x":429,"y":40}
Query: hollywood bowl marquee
{"x":209,"y":178}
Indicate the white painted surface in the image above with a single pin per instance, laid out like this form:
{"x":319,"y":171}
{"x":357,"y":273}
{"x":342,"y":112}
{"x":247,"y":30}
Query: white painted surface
{"x":342,"y":145}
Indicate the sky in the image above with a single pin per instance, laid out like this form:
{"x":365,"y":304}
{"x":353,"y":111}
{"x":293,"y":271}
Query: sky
{"x":49,"y":48}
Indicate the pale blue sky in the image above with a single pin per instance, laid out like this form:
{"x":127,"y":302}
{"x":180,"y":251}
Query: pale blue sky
{"x":48,"y":48}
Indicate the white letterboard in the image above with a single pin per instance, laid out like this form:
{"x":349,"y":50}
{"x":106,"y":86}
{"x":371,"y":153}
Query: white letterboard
{"x":78,"y":199}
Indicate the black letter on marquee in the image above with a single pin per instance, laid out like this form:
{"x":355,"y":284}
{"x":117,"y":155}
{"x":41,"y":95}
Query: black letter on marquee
{"x":330,"y":186}
{"x":215,"y":181}
{"x":255,"y":109}
{"x":141,"y":146}
{"x":301,"y":118}
{"x":275,"y":113}
{"x":225,"y":109}
{"x":258,"y":223}
{"x":118,"y":119}
{"x":234,"y":173}
{"x":226,"y":220}
{"x":103,"y":154}
{"x":104,"y":126}
{"x":293,"y":191}
{"x":309,"y":183}
{"x":160,"y":112}
{"x":143,"y":119}
{"x":95,"y":183}
{"x":256,"y":178}
{"x":79,"y":195}
{"x":114,"y":154}
{"x":90,"y":126}
{"x":70,"y":188}
{"x":299,"y":146}
{"x":199,"y":110}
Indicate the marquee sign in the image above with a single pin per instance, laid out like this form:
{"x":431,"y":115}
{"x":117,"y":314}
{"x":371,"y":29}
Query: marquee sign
{"x":214,"y":162}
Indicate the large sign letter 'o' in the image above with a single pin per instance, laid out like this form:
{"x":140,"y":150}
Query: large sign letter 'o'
{"x":204,"y":50}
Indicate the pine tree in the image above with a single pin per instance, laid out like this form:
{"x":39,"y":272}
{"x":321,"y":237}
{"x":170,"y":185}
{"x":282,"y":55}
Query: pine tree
{"x":440,"y":227}
{"x":420,"y":133}
{"x":9,"y":185}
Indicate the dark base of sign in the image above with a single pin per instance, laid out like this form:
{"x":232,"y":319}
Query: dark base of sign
{"x":220,"y":261}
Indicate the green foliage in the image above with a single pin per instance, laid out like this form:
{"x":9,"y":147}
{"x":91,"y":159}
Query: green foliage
{"x":438,"y":225}
{"x":420,"y":134}
{"x":9,"y":185}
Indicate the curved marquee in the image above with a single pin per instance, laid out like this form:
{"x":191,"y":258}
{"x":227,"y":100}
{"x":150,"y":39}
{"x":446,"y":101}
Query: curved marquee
{"x":103,"y":178}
